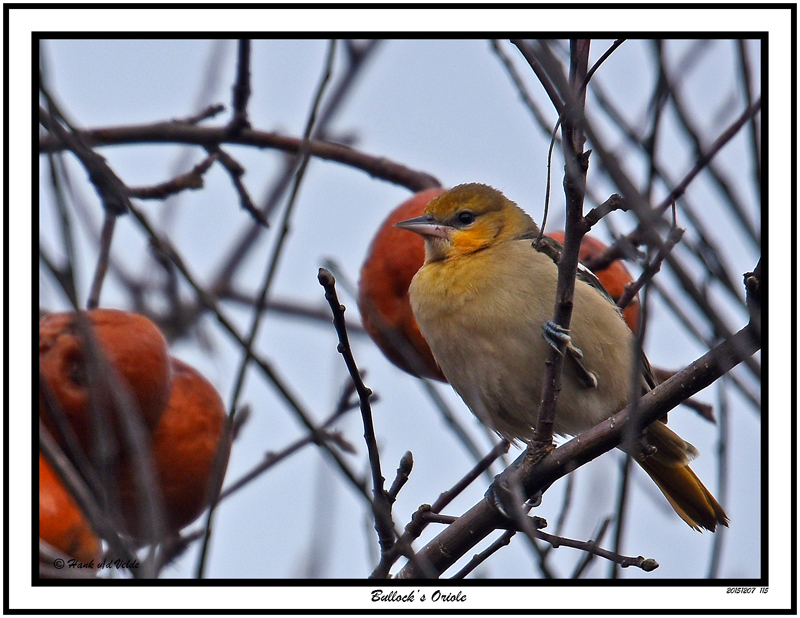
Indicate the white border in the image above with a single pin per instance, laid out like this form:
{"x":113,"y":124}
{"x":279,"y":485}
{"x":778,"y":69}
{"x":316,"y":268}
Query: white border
{"x":23,"y":22}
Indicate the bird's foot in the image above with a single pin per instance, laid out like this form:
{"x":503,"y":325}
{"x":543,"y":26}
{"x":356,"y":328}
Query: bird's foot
{"x":554,"y":335}
{"x":509,"y":504}
{"x":535,"y":500}
{"x":500,"y":495}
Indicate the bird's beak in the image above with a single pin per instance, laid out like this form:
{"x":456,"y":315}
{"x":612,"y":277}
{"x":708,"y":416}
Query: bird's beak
{"x":426,"y":225}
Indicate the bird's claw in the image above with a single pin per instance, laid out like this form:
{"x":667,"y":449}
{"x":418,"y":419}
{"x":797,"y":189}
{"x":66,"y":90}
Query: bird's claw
{"x":499,"y":494}
{"x":554,"y":335}
{"x":535,"y":500}
{"x":499,"y":490}
{"x":493,"y":497}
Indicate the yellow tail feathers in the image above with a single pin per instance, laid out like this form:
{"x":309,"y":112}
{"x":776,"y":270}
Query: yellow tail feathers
{"x":670,"y":470}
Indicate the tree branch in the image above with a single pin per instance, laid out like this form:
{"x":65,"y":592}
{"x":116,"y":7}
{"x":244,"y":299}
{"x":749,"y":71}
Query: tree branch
{"x":211,"y":137}
{"x":381,"y":504}
{"x":576,"y":166}
{"x":483,"y":518}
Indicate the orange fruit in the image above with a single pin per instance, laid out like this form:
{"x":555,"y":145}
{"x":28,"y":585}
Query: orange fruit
{"x":184,"y":446}
{"x":61,"y":522}
{"x":135,"y":350}
{"x":614,"y":278}
{"x":393,"y":259}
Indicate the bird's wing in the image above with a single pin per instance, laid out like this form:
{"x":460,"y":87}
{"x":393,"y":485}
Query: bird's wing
{"x":552,"y":248}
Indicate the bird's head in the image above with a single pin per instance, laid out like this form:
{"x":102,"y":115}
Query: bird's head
{"x":469,"y":218}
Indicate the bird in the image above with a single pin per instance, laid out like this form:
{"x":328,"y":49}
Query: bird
{"x":392,"y":260}
{"x":483,"y":299}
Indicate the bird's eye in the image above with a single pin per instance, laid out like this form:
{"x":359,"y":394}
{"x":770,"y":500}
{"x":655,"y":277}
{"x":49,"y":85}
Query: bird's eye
{"x":465,"y":217}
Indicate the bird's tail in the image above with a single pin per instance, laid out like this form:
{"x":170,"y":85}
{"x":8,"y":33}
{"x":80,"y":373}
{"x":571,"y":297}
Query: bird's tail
{"x":669,"y":469}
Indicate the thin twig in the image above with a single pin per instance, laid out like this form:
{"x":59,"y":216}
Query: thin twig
{"x":620,"y":511}
{"x":417,"y":524}
{"x":278,"y":247}
{"x":314,"y":313}
{"x":381,"y":503}
{"x":632,"y":288}
{"x":78,"y":490}
{"x":66,"y":274}
{"x":457,"y":427}
{"x":320,"y":434}
{"x":755,"y":128}
{"x":707,"y":250}
{"x":646,"y":564}
{"x":562,"y":519}
{"x":109,"y":223}
{"x":649,"y":217}
{"x":534,"y":61}
{"x":236,"y":171}
{"x":448,"y":496}
{"x":204,"y":114}
{"x":576,"y":166}
{"x":173,"y":133}
{"x":690,"y":325}
{"x":588,"y":558}
{"x":191,"y":180}
{"x":219,"y":466}
{"x":272,"y":264}
{"x":537,"y":113}
{"x":723,"y":439}
{"x":112,"y":191}
{"x":241,"y":89}
{"x":110,"y":392}
{"x":705,"y":160}
{"x":60,"y":274}
{"x":414,"y":358}
{"x":242,"y":246}
{"x":513,"y":499}
{"x":401,"y":478}
{"x":478,"y":559}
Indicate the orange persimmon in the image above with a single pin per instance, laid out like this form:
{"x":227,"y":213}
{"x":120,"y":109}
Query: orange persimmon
{"x":184,"y":447}
{"x":136,"y":352}
{"x":393,"y":259}
{"x":61,"y":522}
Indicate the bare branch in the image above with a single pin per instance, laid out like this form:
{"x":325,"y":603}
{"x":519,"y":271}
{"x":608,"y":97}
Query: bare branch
{"x":646,"y":564}
{"x":241,"y":90}
{"x":481,"y":519}
{"x":418,"y":522}
{"x":401,"y":478}
{"x":112,"y":191}
{"x":210,"y":302}
{"x":191,"y":180}
{"x":204,"y":114}
{"x":236,"y":171}
{"x":577,"y":163}
{"x":533,"y":56}
{"x":381,"y":502}
{"x":631,"y":289}
{"x":172,"y":133}
{"x":109,"y":223}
